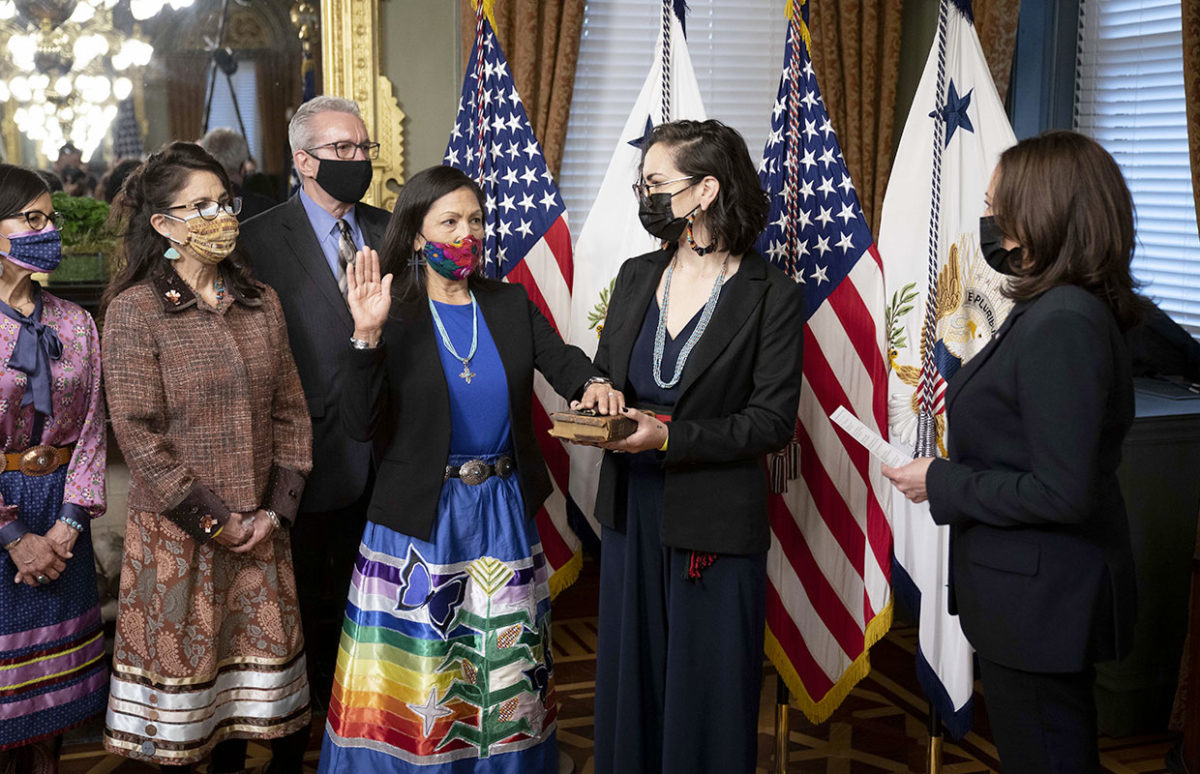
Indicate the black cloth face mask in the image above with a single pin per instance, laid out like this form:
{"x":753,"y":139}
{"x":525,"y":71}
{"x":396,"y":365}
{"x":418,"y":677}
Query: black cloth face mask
{"x":991,"y":244}
{"x":657,"y":217}
{"x":345,"y":181}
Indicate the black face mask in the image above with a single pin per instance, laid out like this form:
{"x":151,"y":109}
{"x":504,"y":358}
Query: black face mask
{"x":345,"y":181}
{"x":659,"y":219}
{"x":991,"y":245}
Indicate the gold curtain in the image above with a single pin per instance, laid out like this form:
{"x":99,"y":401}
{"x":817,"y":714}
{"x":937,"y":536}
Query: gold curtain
{"x":1191,"y":85}
{"x":187,"y":83}
{"x":856,"y":55}
{"x":540,"y":40}
{"x":278,"y":91}
{"x":996,"y":23}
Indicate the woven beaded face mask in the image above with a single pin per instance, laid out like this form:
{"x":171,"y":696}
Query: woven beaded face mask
{"x":211,"y":240}
{"x":453,"y":260}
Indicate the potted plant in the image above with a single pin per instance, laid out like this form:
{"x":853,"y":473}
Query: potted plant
{"x":87,"y":242}
{"x":89,"y":249}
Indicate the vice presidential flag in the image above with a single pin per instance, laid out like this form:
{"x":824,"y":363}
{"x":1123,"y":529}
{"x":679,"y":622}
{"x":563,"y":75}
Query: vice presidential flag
{"x":828,"y":598}
{"x":612,"y":232}
{"x":526,"y":241}
{"x":943,"y":305}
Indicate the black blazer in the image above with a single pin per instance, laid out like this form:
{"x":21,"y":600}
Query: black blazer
{"x":738,"y":399}
{"x":285,"y":253}
{"x":1042,"y":574}
{"x":396,"y":395}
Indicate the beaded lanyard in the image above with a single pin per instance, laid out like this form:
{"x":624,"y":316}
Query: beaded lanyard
{"x":466,"y":374}
{"x":660,"y":335}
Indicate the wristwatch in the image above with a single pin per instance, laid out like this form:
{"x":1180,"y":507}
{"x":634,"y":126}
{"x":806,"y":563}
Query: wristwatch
{"x":362,"y":343}
{"x":597,"y":380}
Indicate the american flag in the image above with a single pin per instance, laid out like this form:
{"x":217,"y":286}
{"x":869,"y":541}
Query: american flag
{"x":526,"y":241}
{"x":828,"y":596}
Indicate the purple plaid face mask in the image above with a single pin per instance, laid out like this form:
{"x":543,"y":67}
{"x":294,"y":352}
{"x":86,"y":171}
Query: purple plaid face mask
{"x":35,"y":250}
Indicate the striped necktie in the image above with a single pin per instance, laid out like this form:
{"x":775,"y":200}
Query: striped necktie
{"x":346,"y":251}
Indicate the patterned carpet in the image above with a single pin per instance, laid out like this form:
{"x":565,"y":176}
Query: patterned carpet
{"x":879,"y":728}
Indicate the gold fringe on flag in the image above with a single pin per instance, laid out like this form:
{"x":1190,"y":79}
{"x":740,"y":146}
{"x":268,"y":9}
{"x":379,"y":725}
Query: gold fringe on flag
{"x":818,"y":710}
{"x":791,"y":12}
{"x":489,"y":10}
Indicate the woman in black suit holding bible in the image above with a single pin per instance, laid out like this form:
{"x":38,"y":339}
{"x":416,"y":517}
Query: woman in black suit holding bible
{"x":707,"y":335}
{"x":1042,"y":574}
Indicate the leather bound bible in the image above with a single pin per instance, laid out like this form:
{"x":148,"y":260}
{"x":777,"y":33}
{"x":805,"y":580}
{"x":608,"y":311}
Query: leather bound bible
{"x":587,"y":425}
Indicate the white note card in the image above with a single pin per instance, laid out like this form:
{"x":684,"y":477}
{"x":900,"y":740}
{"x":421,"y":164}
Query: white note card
{"x":871,"y":440}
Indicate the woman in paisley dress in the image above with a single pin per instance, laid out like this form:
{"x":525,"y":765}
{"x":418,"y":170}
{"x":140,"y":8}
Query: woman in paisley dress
{"x":208,"y":409}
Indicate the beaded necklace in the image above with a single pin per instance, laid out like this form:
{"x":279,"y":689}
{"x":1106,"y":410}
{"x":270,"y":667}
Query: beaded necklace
{"x":660,"y":334}
{"x":466,"y":374}
{"x":219,"y":289}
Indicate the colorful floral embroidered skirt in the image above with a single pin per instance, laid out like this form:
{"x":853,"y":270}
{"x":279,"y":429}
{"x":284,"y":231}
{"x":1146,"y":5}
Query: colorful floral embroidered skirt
{"x":208,"y":645}
{"x":445,"y":662}
{"x":52,"y":669}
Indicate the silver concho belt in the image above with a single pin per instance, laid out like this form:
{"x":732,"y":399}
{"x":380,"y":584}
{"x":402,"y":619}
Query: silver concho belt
{"x":475,"y":472}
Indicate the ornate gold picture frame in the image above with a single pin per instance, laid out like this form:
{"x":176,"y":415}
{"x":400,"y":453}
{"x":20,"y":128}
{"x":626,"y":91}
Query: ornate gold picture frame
{"x":350,"y":68}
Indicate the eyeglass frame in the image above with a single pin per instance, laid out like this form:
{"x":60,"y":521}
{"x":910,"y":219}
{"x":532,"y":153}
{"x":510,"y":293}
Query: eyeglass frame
{"x":53,"y":216}
{"x":232,"y":207}
{"x":370,"y":150}
{"x":641,"y":189}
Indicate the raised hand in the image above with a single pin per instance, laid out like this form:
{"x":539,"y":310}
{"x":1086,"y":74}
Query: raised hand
{"x":369,"y":296}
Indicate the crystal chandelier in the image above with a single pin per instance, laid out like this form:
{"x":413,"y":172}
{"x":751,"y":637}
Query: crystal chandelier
{"x":67,"y":63}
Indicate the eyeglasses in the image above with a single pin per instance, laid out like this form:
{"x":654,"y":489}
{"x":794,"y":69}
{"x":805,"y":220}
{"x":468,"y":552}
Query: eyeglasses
{"x":345,"y":149}
{"x":209,"y":210}
{"x":37,"y":219}
{"x":642,"y":190}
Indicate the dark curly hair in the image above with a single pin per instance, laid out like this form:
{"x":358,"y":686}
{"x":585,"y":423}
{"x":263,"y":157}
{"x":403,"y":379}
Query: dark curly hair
{"x":412,"y":205}
{"x":1063,"y":199}
{"x":710,"y":148}
{"x":150,"y":189}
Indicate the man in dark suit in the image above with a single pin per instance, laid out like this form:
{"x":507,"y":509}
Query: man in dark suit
{"x":301,"y":249}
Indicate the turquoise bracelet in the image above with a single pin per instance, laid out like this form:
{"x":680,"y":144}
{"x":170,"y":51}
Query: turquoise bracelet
{"x":71,"y":523}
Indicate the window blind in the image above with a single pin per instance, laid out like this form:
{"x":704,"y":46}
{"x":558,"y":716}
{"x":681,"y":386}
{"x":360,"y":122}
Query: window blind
{"x":736,"y":48}
{"x":1129,"y":97}
{"x":245,"y":86}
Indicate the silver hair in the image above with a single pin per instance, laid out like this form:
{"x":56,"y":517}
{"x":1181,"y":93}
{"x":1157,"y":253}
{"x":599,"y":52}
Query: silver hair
{"x":300,"y":130}
{"x":228,"y":147}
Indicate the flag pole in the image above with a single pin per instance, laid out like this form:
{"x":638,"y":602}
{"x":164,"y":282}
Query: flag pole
{"x":935,"y":740}
{"x":926,"y":433}
{"x":782,"y":700}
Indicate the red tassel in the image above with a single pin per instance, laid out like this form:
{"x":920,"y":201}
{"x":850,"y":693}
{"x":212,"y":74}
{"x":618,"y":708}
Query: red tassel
{"x":699,"y":562}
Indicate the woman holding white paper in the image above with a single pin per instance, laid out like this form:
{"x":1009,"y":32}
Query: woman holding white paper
{"x":1041,"y":568}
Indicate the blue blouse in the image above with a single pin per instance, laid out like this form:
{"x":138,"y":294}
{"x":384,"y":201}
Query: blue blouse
{"x":479,"y":414}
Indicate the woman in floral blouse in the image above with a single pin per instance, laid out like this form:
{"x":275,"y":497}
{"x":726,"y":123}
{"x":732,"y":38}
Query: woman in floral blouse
{"x":210,"y":415}
{"x":52,"y":432}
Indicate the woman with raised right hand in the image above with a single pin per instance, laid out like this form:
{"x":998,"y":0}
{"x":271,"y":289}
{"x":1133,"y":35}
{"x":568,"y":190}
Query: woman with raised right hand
{"x":445,"y":660}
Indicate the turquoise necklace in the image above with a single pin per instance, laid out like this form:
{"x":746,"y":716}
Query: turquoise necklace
{"x":660,"y":335}
{"x":466,"y":374}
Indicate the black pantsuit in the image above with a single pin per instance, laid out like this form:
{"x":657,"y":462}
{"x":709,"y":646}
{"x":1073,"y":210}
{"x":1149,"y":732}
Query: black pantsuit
{"x":679,"y":666}
{"x":1040,"y":561}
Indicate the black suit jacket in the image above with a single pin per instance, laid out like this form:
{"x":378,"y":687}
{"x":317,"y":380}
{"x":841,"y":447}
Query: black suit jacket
{"x":285,"y":253}
{"x":1042,"y":574}
{"x":737,"y":403}
{"x":396,"y":395}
